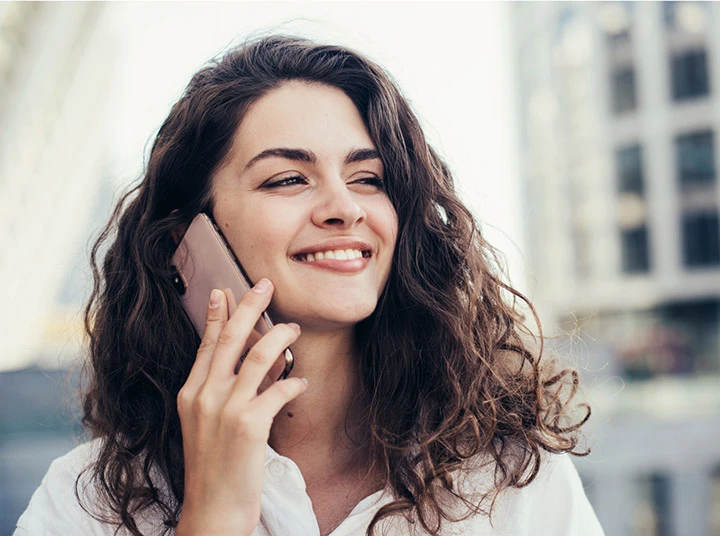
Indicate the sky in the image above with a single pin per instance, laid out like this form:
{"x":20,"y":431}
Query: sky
{"x":452,"y":60}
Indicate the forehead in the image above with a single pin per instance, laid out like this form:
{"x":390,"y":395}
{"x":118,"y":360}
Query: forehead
{"x":303,"y":115}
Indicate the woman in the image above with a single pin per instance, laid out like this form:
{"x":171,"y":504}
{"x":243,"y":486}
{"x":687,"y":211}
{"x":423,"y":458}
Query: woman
{"x":417,"y":403}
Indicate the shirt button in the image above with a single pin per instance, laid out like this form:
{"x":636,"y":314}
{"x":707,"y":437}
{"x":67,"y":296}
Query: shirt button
{"x":277,"y":469}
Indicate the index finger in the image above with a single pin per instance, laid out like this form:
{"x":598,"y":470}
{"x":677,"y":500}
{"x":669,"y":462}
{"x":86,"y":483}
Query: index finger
{"x":235,"y":334}
{"x":217,"y":315}
{"x":232,"y":302}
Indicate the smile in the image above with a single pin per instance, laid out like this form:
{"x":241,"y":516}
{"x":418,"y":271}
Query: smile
{"x":335,"y":254}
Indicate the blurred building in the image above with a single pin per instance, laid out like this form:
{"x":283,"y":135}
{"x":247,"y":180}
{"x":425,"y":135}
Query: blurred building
{"x":620,"y":117}
{"x":55,"y":67}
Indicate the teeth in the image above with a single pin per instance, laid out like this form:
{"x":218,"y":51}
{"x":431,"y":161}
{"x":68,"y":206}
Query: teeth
{"x":339,"y":254}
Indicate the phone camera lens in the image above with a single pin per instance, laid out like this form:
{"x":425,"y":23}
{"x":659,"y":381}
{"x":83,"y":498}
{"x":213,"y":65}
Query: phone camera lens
{"x":178,"y":282}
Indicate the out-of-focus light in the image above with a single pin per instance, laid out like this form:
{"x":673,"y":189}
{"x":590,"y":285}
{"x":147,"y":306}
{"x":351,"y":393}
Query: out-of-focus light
{"x":631,"y":211}
{"x":576,"y":43}
{"x":614,"y":18}
{"x":691,"y":17}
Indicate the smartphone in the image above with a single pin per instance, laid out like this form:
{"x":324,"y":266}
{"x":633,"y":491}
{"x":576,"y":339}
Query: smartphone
{"x":204,"y":261}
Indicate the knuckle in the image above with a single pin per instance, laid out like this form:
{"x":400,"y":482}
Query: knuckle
{"x":203,"y":405}
{"x":184,"y":396}
{"x":184,"y":400}
{"x":213,"y":318}
{"x":206,"y":344}
{"x":225,"y":338}
{"x":244,"y":421}
{"x":256,"y":356}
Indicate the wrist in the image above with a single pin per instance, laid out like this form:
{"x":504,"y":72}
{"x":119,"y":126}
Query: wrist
{"x":192,"y":525}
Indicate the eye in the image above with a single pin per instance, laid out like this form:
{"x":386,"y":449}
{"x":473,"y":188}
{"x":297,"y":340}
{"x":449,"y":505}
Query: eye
{"x":376,"y":182}
{"x":286,"y":181}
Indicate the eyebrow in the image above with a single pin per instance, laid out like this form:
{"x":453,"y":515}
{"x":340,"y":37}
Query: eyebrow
{"x":302,"y":155}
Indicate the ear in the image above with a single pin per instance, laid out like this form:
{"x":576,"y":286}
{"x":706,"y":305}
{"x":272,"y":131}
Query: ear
{"x":179,"y":231}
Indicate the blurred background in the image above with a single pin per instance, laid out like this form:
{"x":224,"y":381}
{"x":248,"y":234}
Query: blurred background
{"x":581,"y":134}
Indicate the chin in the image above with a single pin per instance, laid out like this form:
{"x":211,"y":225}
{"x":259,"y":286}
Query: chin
{"x":332,"y":315}
{"x":347,"y":315}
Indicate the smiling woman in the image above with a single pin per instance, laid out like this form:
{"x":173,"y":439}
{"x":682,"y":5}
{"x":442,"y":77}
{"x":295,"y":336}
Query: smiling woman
{"x":418,"y":402}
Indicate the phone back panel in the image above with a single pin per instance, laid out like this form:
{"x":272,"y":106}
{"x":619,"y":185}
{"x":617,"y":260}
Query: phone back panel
{"x":205,"y":262}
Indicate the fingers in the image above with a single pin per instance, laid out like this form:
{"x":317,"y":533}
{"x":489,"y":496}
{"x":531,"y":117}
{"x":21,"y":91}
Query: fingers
{"x":262,"y":356}
{"x":233,"y":337}
{"x":272,"y":400}
{"x":217,"y":316}
{"x":232,"y":302}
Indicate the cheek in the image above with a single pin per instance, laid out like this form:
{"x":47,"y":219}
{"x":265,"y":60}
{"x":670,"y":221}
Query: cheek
{"x":261,"y":234}
{"x":385,"y":226}
{"x":387,"y":223}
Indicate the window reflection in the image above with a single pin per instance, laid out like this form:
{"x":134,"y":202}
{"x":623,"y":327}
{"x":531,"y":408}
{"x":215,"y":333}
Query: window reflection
{"x":701,"y":239}
{"x":695,"y":158}
{"x":623,"y":90}
{"x":689,"y":75}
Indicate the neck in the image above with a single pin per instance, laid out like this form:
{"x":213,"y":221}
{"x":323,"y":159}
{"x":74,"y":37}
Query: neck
{"x":320,"y":430}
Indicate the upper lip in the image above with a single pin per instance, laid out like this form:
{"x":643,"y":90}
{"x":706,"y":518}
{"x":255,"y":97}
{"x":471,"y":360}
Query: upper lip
{"x":334,"y":244}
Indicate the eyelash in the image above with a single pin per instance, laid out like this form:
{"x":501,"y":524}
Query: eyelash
{"x":373,"y":181}
{"x":283,"y":182}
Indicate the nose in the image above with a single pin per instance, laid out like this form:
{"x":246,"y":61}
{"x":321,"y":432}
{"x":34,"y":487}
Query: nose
{"x":338,"y":207}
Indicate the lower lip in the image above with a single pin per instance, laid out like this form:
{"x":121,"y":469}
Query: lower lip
{"x":351,"y":266}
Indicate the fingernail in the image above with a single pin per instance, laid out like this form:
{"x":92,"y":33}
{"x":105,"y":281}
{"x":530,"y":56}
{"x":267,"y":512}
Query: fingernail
{"x":262,"y":286}
{"x":294,"y":326}
{"x":304,"y":380}
{"x":215,"y":298}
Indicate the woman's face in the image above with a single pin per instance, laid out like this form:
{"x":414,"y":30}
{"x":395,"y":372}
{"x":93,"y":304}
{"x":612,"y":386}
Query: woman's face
{"x":301,"y":202}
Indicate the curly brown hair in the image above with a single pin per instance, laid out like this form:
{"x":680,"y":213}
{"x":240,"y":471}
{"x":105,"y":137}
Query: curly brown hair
{"x":448,"y":365}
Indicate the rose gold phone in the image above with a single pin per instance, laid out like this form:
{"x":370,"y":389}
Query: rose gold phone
{"x":204,"y":261}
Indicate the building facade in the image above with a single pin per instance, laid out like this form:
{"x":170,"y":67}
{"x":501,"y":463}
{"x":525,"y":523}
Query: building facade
{"x":55,"y":66}
{"x":619,"y":114}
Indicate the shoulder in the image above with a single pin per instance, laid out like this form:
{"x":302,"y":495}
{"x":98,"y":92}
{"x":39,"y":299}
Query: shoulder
{"x":54,"y":508}
{"x":553,"y":504}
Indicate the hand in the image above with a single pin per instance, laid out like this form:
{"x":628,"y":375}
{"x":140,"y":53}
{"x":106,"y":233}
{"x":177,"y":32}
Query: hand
{"x":225,"y":422}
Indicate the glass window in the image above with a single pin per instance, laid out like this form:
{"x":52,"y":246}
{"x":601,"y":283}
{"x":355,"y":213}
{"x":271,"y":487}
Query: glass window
{"x":701,"y":239}
{"x":628,"y":163}
{"x":635,"y":254}
{"x":689,"y":75}
{"x":693,"y":344}
{"x":623,"y":90}
{"x":695,"y":158}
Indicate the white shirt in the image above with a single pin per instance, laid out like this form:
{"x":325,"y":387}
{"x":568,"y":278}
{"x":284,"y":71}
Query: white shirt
{"x":554,"y":504}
